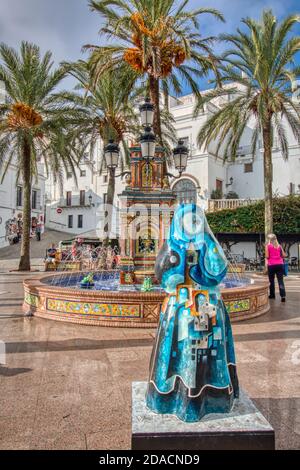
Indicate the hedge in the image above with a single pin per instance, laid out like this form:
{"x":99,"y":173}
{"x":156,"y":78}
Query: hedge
{"x":250,"y":219}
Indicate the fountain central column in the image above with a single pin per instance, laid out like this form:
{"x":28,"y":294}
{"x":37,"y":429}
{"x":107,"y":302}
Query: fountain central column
{"x":146,"y":210}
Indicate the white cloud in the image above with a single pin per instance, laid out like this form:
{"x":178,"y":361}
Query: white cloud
{"x":63,"y":26}
{"x":234,"y":10}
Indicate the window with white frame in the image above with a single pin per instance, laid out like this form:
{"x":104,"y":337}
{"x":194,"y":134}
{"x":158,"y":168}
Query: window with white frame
{"x":80,"y":221}
{"x":248,"y":167}
{"x":19,"y":201}
{"x":185,"y":191}
{"x":34,"y":199}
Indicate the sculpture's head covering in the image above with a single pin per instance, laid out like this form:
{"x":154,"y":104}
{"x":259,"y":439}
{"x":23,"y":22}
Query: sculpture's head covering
{"x":190,"y":232}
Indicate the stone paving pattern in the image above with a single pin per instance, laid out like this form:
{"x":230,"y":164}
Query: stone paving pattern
{"x":68,"y":386}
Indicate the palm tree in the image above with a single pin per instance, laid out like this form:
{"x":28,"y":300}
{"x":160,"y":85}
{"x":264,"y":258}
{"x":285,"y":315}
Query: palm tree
{"x":106,"y":112}
{"x":261,"y":61}
{"x":32,"y":124}
{"x":158,"y":40}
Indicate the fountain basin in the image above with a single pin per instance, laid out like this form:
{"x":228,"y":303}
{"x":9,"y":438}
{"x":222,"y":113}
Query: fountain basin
{"x":126,"y":308}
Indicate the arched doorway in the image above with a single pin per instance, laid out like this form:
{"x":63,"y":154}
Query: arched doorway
{"x":185,"y":191}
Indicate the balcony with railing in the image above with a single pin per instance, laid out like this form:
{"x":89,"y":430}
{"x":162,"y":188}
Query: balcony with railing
{"x":215,"y":205}
{"x":74,"y":200}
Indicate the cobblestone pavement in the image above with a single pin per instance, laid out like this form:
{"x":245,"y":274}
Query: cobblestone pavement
{"x":68,"y":386}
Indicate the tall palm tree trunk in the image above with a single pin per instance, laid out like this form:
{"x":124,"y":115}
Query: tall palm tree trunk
{"x":109,"y":199}
{"x":166,"y":100}
{"x":268,"y":177}
{"x":154,"y":96}
{"x":109,"y":206}
{"x":24,"y":264}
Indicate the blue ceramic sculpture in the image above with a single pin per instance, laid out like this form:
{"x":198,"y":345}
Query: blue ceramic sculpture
{"x":192,"y":369}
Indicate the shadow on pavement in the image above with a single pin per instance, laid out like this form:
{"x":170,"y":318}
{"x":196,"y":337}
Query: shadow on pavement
{"x":7,"y":372}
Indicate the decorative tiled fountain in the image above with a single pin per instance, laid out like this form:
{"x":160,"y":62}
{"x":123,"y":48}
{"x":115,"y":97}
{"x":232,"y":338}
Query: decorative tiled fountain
{"x":126,"y":308}
{"x":117,"y":297}
{"x":128,"y":296}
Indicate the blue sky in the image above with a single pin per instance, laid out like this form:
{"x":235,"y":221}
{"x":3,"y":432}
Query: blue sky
{"x":63,"y":26}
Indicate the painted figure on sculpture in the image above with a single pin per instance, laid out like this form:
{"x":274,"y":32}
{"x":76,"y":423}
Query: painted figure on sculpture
{"x":192,"y":368}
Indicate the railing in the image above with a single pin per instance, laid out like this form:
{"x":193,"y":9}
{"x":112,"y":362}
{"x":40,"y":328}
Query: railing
{"x":215,"y":205}
{"x":57,"y":223}
{"x":75,"y":201}
{"x":244,"y":150}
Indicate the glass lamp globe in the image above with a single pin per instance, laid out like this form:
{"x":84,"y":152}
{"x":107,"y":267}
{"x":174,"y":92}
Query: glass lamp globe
{"x":147,"y":113}
{"x":147,"y":142}
{"x":180,"y":154}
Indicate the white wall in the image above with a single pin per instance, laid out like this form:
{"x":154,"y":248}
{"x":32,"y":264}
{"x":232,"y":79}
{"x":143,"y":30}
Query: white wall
{"x":251,"y":185}
{"x":247,"y":185}
{"x":248,"y":249}
{"x":94,"y":184}
{"x":6,"y":214}
{"x":216,"y":170}
{"x":286,"y":172}
{"x":203,"y":169}
{"x":8,"y":199}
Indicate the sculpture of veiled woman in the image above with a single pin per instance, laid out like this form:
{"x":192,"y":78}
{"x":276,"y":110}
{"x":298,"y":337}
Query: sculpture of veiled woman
{"x":192,"y":368}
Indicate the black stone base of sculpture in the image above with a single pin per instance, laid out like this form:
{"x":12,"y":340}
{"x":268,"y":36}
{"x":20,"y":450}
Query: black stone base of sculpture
{"x":244,"y":428}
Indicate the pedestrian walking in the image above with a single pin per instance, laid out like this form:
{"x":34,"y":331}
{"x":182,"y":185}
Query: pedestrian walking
{"x":275,"y":262}
{"x":38,"y":231}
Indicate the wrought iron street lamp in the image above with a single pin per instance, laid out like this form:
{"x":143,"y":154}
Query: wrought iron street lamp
{"x":111,"y":153}
{"x":148,"y":144}
{"x":180,"y":154}
{"x":230,"y":182}
{"x":147,"y":141}
{"x":147,"y":113}
{"x":91,"y":201}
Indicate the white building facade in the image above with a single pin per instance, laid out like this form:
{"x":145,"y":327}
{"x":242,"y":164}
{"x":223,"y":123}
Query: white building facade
{"x":11,"y":196}
{"x":11,"y":202}
{"x":77,"y":206}
{"x":79,"y":209}
{"x":244,"y":176}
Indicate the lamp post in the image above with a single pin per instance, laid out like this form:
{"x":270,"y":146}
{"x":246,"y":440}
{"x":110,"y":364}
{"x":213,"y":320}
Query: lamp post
{"x":111,"y":153}
{"x":91,"y":201}
{"x":148,"y":144}
{"x":230,"y":182}
{"x":147,"y":113}
{"x":147,"y":140}
{"x":180,"y":154}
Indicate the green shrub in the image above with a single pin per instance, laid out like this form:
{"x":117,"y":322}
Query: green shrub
{"x":251,"y":218}
{"x":216,"y":194}
{"x":232,"y":195}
